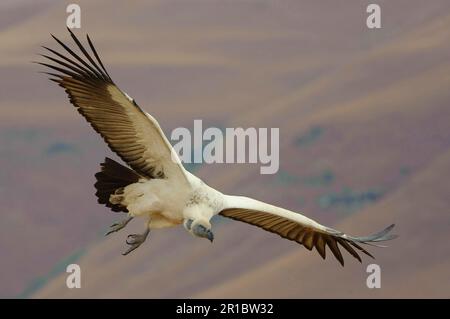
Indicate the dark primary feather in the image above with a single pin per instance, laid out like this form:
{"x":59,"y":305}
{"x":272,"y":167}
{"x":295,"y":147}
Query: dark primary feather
{"x":97,"y":56}
{"x":308,"y":237}
{"x":88,"y":86}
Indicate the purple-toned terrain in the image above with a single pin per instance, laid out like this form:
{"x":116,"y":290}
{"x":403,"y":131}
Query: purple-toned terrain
{"x":364,"y":130}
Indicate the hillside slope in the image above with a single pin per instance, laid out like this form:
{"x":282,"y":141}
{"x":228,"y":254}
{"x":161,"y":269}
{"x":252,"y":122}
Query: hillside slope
{"x":414,"y":266}
{"x":361,"y":113}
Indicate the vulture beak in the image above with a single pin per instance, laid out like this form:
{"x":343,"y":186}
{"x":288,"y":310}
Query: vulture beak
{"x":210,"y":236}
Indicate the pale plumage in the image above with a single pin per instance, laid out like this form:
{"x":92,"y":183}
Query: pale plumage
{"x":157,"y":188}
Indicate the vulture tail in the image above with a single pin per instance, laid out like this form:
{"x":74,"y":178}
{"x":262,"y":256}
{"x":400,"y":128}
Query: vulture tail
{"x":111,"y":180}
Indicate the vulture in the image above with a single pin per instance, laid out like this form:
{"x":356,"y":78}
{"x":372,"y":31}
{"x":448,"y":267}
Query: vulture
{"x":154,"y":185}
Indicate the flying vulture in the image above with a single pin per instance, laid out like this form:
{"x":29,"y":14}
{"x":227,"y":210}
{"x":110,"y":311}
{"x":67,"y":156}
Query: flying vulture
{"x":154,"y":185}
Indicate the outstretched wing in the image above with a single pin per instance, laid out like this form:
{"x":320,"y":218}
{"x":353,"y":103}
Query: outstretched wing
{"x":299,"y":228}
{"x":131,"y":133}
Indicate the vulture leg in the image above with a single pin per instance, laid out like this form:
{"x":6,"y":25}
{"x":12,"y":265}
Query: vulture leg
{"x":118,"y":225}
{"x":135,"y":240}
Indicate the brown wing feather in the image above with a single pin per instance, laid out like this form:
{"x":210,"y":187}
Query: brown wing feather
{"x":127,"y":130}
{"x":306,"y":236}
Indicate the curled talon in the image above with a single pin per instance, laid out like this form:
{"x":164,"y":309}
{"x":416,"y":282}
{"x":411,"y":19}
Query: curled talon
{"x":135,"y":240}
{"x":118,"y":225}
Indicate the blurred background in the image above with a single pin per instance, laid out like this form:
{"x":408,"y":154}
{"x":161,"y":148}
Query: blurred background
{"x":364,"y":130}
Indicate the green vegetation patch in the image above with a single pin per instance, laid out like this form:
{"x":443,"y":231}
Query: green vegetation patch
{"x":59,"y":268}
{"x":325,"y":178}
{"x":349,"y":199}
{"x":61,"y":148}
{"x":322,"y":179}
{"x":311,"y":136}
